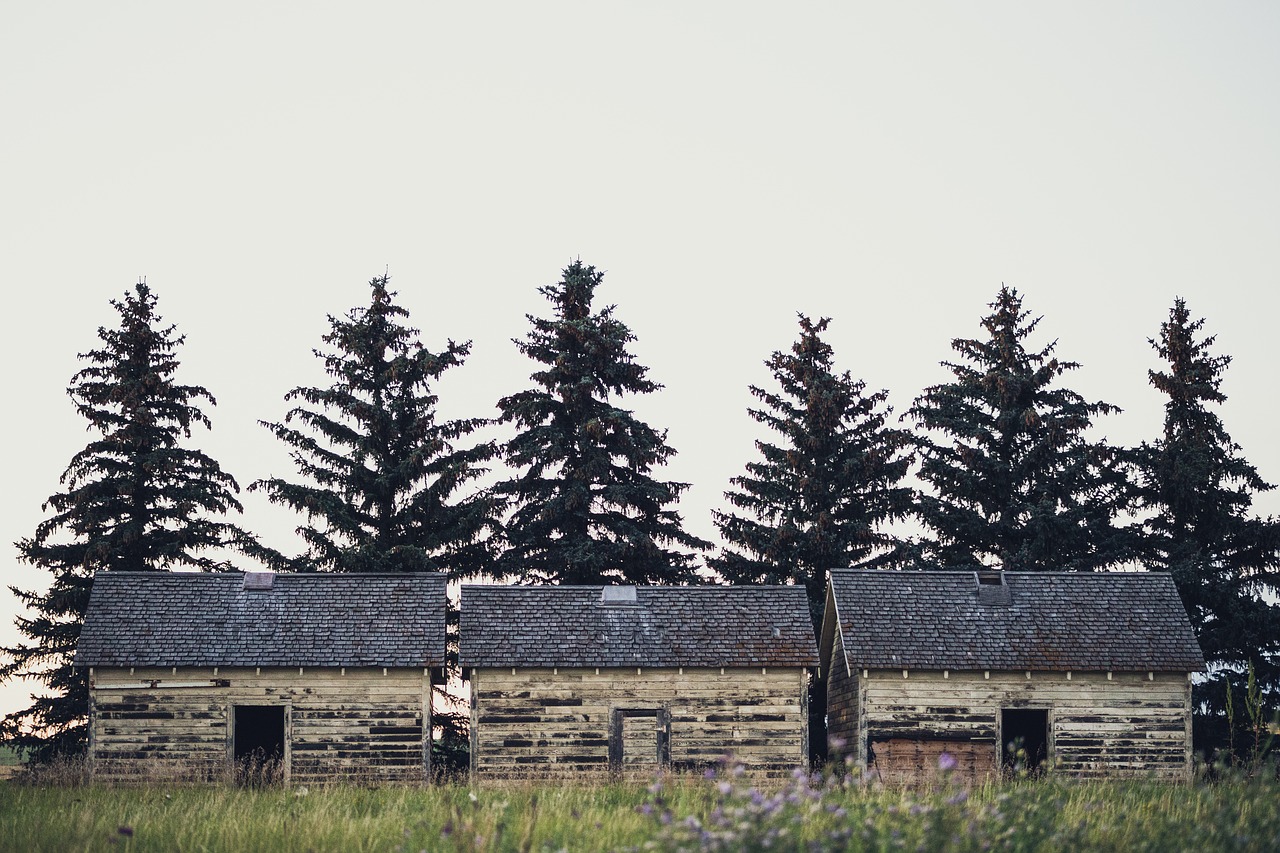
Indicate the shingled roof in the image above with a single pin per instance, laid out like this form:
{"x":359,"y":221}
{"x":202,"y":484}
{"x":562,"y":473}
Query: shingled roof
{"x":187,"y":619}
{"x":1122,"y":621}
{"x":664,"y":626}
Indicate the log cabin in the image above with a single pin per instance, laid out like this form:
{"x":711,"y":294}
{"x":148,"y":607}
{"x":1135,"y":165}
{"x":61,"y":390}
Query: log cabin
{"x":621,"y":680}
{"x":1087,"y":673}
{"x":305,"y":678}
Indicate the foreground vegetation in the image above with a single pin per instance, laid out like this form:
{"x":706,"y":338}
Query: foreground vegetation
{"x":714,"y":813}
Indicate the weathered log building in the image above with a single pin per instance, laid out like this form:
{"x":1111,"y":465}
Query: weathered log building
{"x":1088,"y":672}
{"x":587,"y":679}
{"x":320,"y":677}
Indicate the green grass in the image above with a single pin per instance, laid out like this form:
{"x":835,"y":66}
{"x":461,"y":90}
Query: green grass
{"x":692,"y":814}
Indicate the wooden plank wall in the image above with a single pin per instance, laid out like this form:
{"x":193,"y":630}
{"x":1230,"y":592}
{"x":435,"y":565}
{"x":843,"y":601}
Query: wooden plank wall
{"x":541,"y":722}
{"x":358,"y":726}
{"x":842,"y":706}
{"x":1128,"y":725}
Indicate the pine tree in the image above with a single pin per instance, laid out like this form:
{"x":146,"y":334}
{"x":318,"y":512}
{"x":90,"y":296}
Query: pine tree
{"x":584,"y":508}
{"x":1016,"y":482}
{"x":135,"y":499}
{"x":382,"y":474}
{"x":819,"y":498}
{"x":1199,"y":489}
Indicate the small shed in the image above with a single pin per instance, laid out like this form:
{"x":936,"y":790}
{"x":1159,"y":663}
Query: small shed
{"x":1089,"y":673}
{"x":306,"y":677}
{"x":567,"y":680}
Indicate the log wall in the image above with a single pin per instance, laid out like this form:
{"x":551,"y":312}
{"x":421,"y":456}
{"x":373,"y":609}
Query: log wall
{"x":354,"y":725}
{"x":543,"y":722}
{"x":1125,"y":724}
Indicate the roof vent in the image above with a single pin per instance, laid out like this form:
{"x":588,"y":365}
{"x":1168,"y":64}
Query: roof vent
{"x":618,"y":596}
{"x":992,"y":590}
{"x":258,"y":580}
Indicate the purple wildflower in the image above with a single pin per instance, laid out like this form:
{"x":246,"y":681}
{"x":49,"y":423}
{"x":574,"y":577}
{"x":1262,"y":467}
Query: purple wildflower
{"x":947,"y":762}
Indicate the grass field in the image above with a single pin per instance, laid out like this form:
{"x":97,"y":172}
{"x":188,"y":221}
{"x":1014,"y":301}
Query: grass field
{"x":677,"y":814}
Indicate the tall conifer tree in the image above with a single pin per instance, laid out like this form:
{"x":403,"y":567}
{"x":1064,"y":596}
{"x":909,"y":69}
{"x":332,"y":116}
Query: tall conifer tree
{"x":135,"y":499}
{"x":820,"y":497}
{"x":1223,"y":558}
{"x":1016,"y":481}
{"x":384,"y":477}
{"x":584,"y":506}
{"x":382,"y":474}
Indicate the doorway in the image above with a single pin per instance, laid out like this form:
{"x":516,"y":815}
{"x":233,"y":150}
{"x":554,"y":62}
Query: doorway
{"x":257,"y":743}
{"x":1024,"y":738}
{"x":639,"y":740}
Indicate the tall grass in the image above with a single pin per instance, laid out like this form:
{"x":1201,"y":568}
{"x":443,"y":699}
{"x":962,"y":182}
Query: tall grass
{"x":722,"y":812}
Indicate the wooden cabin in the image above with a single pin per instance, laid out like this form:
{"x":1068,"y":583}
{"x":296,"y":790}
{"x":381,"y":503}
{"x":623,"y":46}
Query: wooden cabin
{"x":305,"y":677}
{"x":573,"y":680}
{"x":1087,"y":673}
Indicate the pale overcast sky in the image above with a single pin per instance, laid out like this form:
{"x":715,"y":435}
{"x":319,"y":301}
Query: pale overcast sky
{"x":728,"y":164}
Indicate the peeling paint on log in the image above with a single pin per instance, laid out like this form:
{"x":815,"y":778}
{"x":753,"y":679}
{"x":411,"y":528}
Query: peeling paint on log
{"x":520,"y":725}
{"x":1129,"y":725}
{"x":358,"y":726}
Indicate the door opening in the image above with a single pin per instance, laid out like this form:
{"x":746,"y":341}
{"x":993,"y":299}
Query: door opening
{"x":639,"y":739}
{"x":258,"y":744}
{"x":1024,"y":738}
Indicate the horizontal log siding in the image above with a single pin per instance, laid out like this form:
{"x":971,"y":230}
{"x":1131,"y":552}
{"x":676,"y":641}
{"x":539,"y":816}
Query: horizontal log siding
{"x":361,"y":726}
{"x":541,"y":723}
{"x":1126,"y":726}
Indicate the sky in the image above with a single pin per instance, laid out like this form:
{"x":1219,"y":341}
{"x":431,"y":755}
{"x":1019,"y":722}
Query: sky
{"x":727,"y":164}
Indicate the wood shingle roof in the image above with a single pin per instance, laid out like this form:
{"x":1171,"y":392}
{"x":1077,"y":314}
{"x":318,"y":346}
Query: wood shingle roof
{"x":1122,"y":621}
{"x":572,"y":626}
{"x":189,"y":619}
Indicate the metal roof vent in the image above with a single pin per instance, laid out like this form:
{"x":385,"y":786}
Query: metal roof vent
{"x":618,"y":596}
{"x":258,"y":580}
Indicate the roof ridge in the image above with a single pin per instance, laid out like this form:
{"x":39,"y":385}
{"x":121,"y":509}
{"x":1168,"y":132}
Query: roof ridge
{"x":707,"y":587}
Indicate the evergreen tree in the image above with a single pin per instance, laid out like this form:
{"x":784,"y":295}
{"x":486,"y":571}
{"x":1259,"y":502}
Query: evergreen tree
{"x":135,"y":499}
{"x":1016,"y":482}
{"x":584,"y":508}
{"x":818,"y":499}
{"x":382,"y":474}
{"x":1202,"y":531}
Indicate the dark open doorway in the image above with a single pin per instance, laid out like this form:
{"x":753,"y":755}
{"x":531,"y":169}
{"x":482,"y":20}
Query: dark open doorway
{"x":258,"y":743}
{"x":1024,"y":738}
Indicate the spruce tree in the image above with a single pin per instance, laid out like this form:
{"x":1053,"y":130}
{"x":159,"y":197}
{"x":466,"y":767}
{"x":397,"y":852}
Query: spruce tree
{"x":1199,"y":490}
{"x":584,"y":506}
{"x":1016,"y":482}
{"x":135,"y":499}
{"x":382,"y":476}
{"x":819,"y":498}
